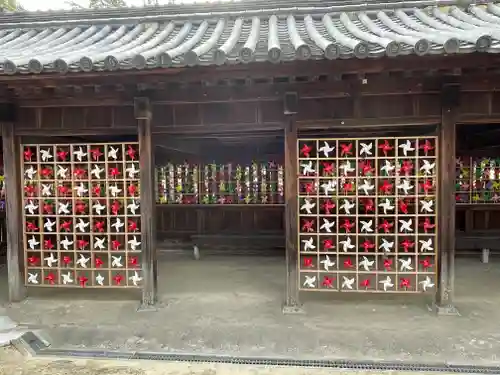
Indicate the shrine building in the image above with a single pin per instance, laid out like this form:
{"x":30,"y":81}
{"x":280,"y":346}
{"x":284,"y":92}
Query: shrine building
{"x":351,"y":145}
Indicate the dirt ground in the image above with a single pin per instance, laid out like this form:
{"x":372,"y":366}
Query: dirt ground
{"x":14,"y":363}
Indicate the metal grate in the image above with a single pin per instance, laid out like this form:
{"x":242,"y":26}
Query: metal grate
{"x":81,"y":215}
{"x":367,"y":214}
{"x":31,"y":343}
{"x":263,"y":361}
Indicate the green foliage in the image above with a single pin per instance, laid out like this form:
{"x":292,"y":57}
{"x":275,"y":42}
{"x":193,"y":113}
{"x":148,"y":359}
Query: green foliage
{"x":98,"y":4}
{"x":11,"y":5}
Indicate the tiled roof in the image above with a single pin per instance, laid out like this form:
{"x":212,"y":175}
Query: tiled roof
{"x":171,"y":38}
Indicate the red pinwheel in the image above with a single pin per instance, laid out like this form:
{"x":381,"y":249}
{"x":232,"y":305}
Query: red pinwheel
{"x":426,"y":146}
{"x":348,"y":263}
{"x":134,"y":261}
{"x":47,"y":244}
{"x":368,"y":205}
{"x":46,"y":172}
{"x":403,"y":206}
{"x":132,"y":226}
{"x":307,"y":226}
{"x":80,"y":207}
{"x":33,"y":260}
{"x":31,"y":227}
{"x":386,"y":187}
{"x":367,"y":245}
{"x":115,"y":244}
{"x":328,"y":244}
{"x":96,"y":153}
{"x":345,"y":149}
{"x":131,"y":152}
{"x":62,"y":155}
{"x":385,"y":147}
{"x":386,"y":226}
{"x":347,"y":225}
{"x":63,"y":190}
{"x":114,"y":172}
{"x":406,"y":167}
{"x":79,"y":172}
{"x":29,"y":190}
{"x":132,"y":189}
{"x":366,"y":167}
{"x":48,"y":208}
{"x":327,"y":168}
{"x":327,"y":282}
{"x":118,"y":279}
{"x":309,"y":187}
{"x":115,"y":207}
{"x":347,"y":187}
{"x":306,"y":151}
{"x":28,"y":154}
{"x":328,"y":206}
{"x":96,"y":190}
{"x":387,"y":264}
{"x":82,"y":244}
{"x":426,"y":186}
{"x":365,"y":283}
{"x":98,"y":262}
{"x":308,"y":262}
{"x":426,"y":263}
{"x":99,"y":226}
{"x":50,"y":278}
{"x":405,"y":283}
{"x":66,"y":226}
{"x":426,"y":225}
{"x":67,"y":260}
{"x":83,"y":280}
{"x":407,"y":244}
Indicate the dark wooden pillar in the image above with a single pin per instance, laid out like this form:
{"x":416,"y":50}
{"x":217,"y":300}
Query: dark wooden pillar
{"x":142,"y":112}
{"x":292,"y":303}
{"x":446,"y":221}
{"x":13,"y":212}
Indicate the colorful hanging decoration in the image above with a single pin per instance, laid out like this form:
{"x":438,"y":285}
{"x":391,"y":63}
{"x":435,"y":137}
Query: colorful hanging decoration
{"x":82,"y":214}
{"x":367,"y":214}
{"x":477,"y":180}
{"x":177,"y":184}
{"x":256,"y":183}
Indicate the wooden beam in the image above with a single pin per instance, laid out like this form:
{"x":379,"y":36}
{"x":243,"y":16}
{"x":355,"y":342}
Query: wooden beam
{"x":267,"y":69}
{"x":75,"y":132}
{"x":358,"y":123}
{"x":142,"y":112}
{"x":292,"y":303}
{"x":446,"y":222}
{"x":13,"y":189}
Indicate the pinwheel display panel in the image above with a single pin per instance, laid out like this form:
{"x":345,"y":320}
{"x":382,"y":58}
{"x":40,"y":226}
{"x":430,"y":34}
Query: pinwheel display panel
{"x":82,"y":223}
{"x":367,"y":214}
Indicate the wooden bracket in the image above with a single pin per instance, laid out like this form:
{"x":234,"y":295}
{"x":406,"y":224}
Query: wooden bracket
{"x":142,"y":108}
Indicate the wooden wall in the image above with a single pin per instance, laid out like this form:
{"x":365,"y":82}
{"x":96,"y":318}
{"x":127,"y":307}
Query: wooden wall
{"x":248,"y":102}
{"x":182,"y":221}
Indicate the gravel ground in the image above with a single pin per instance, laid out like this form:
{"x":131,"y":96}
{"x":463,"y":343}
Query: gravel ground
{"x":13,"y":363}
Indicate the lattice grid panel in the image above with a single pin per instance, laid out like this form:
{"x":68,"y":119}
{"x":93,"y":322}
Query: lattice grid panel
{"x":82,"y":222}
{"x":367,"y":214}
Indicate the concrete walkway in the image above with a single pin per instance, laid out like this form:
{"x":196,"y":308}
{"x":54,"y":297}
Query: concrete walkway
{"x":9,"y":330}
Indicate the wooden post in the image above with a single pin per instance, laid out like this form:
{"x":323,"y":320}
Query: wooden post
{"x":446,"y":222}
{"x":292,"y":303}
{"x":13,"y":213}
{"x":142,"y":112}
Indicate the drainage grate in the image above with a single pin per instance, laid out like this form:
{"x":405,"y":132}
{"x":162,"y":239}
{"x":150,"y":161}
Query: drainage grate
{"x":38,"y":347}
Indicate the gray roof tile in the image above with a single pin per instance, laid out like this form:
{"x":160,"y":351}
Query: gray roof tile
{"x":276,"y":35}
